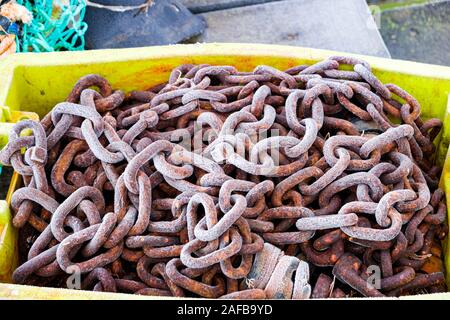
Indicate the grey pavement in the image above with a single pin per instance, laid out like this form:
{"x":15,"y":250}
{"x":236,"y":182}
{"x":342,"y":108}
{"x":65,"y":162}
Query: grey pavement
{"x":344,"y":25}
{"x":418,"y":33}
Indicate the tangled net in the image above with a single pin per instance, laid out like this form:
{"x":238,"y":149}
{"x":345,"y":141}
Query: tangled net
{"x":57,"y":25}
{"x":219,"y":183}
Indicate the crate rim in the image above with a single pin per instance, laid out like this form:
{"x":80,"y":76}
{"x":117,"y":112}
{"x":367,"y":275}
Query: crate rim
{"x":214,"y":49}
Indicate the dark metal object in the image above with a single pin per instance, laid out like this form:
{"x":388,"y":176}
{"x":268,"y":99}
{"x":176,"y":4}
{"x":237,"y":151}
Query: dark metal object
{"x":165,"y":22}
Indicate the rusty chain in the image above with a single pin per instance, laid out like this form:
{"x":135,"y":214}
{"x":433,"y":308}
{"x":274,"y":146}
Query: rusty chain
{"x":239,"y":185}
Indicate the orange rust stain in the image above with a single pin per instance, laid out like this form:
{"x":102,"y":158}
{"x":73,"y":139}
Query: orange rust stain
{"x":433,"y":264}
{"x":159,"y":68}
{"x":436,"y":250}
{"x":246,"y":63}
{"x":291,"y":63}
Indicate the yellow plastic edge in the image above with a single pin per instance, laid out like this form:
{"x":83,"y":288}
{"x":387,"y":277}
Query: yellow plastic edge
{"x":23,"y":292}
{"x":8,"y":234}
{"x":212,"y":49}
{"x":8,"y":243}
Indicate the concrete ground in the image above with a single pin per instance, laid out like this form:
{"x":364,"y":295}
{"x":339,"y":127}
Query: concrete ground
{"x":417,"y":30}
{"x":317,"y":24}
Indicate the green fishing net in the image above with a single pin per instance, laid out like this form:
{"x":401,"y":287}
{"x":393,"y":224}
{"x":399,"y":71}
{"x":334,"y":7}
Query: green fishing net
{"x":57,"y":25}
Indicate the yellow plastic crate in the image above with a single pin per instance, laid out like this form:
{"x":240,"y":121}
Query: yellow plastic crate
{"x":8,"y":234}
{"x":36,"y":82}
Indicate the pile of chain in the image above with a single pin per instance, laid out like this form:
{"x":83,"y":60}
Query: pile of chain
{"x":219,"y":183}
